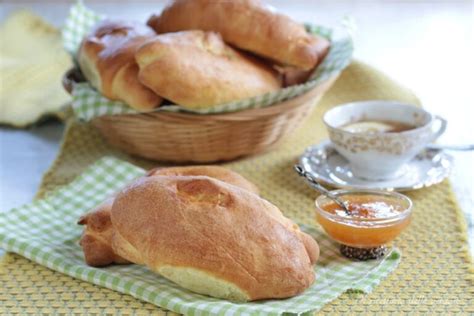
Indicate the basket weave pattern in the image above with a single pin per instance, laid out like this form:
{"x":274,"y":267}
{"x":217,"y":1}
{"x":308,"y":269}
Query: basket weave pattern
{"x":183,"y":137}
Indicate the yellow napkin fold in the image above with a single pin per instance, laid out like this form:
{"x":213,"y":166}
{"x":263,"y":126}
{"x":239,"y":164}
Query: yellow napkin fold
{"x":32,"y":62}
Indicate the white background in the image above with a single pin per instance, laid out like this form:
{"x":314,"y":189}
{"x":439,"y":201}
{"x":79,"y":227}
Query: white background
{"x":425,"y":45}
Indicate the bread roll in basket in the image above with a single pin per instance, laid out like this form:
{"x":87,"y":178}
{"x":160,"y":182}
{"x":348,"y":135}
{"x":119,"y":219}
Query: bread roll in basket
{"x":191,"y":137}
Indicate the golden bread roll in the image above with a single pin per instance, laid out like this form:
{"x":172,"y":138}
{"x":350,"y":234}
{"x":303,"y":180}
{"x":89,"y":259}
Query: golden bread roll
{"x":292,"y":76}
{"x":246,"y":24}
{"x":197,"y":69}
{"x":96,"y":240}
{"x":107,"y":59}
{"x":212,"y":238}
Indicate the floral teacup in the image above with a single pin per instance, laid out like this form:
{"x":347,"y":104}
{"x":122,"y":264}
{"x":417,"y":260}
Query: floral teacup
{"x":378,"y":155}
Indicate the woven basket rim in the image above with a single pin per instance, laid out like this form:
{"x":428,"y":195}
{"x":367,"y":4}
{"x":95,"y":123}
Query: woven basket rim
{"x":71,"y":76}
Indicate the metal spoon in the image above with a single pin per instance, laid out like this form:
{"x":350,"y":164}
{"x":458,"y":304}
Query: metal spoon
{"x":321,"y":189}
{"x":451,"y":147}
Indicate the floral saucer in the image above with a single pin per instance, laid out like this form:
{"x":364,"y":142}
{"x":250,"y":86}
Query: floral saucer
{"x":327,"y":166}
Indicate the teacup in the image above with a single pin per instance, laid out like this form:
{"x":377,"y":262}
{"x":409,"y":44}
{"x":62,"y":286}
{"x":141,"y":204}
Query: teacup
{"x":378,"y":155}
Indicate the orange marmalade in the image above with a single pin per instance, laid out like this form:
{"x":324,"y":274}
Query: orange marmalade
{"x":374,"y":218}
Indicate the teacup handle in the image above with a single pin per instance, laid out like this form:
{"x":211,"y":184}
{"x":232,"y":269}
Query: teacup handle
{"x":440,"y":129}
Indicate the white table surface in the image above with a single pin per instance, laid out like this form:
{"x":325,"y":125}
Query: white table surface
{"x":426,"y":45}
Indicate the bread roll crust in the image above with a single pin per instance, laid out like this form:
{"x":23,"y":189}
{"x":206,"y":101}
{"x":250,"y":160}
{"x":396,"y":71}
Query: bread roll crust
{"x":96,"y":240}
{"x":215,"y":172}
{"x":204,"y":226}
{"x":196,"y":69}
{"x":107,"y":59}
{"x":246,"y":24}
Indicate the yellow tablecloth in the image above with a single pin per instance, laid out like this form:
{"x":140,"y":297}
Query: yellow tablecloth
{"x":435,"y":274}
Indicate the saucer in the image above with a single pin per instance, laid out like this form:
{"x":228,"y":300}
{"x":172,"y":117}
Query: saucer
{"x":327,"y":166}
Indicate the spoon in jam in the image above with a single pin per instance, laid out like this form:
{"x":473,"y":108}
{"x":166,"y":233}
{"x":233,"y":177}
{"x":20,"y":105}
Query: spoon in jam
{"x":316,"y":185}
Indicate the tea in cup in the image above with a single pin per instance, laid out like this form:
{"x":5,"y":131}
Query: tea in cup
{"x":379,"y":137}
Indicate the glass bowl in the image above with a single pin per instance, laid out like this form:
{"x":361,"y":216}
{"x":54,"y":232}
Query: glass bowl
{"x":357,"y":231}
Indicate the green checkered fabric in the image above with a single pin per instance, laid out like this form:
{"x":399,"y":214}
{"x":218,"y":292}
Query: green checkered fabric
{"x":88,"y":103}
{"x":46,"y":232}
{"x":78,"y":24}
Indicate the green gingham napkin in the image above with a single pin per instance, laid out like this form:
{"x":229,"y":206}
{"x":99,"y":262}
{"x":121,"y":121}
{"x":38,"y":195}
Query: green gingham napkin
{"x":46,"y":232}
{"x":88,"y":103}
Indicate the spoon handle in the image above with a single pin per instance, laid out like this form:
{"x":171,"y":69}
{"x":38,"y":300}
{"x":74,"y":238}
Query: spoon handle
{"x":320,"y":188}
{"x":467,"y":147}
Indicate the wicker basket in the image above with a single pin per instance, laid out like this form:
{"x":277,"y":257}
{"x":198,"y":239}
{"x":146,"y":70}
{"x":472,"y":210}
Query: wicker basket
{"x":183,"y":137}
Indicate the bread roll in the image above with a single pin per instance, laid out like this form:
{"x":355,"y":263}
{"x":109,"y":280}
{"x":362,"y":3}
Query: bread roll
{"x":292,"y":76}
{"x":246,"y":24}
{"x":198,"y":70}
{"x":212,"y":238}
{"x":96,"y":240}
{"x":107,"y":59}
